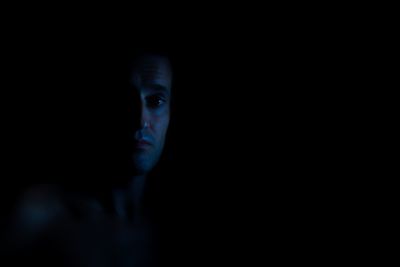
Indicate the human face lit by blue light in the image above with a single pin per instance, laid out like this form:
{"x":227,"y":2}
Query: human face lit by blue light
{"x":150,"y":79}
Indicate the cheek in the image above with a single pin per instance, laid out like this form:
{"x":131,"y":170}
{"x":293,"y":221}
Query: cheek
{"x":160,"y":125}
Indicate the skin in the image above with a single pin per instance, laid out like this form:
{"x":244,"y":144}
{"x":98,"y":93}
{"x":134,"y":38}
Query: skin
{"x":150,"y":82}
{"x":100,"y":233}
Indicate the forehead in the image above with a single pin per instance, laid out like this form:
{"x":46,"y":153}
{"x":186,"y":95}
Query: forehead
{"x":151,"y":71}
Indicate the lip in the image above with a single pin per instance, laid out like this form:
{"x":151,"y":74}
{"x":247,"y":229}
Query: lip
{"x":142,"y":144}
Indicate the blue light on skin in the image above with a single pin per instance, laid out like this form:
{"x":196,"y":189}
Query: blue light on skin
{"x":151,"y":78}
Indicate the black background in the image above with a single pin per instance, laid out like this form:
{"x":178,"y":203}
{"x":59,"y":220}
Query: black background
{"x":256,"y":143}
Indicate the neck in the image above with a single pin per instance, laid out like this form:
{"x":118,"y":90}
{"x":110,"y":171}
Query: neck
{"x":129,"y":200}
{"x":136,"y":189}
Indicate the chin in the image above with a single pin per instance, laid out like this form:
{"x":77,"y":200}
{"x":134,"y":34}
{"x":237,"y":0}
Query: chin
{"x":142,"y":165}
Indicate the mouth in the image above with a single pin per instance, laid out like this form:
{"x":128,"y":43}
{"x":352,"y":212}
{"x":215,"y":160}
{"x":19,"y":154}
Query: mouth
{"x":142,"y":144}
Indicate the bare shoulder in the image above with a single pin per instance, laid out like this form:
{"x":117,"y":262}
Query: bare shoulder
{"x":44,"y":204}
{"x":37,"y":209}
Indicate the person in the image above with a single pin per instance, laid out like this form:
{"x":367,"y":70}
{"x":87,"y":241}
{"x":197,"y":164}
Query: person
{"x":112,"y":227}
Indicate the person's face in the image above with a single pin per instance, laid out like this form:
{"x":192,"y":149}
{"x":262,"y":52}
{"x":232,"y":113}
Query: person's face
{"x":150,"y":80}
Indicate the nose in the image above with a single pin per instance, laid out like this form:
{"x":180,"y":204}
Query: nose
{"x":145,"y":117}
{"x":140,"y":113}
{"x":135,"y":111}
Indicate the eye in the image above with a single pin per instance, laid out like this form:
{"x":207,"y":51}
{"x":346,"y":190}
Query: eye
{"x":155,"y":101}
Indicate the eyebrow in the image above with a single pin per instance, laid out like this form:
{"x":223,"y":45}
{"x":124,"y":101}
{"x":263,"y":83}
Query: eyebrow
{"x":158,"y":88}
